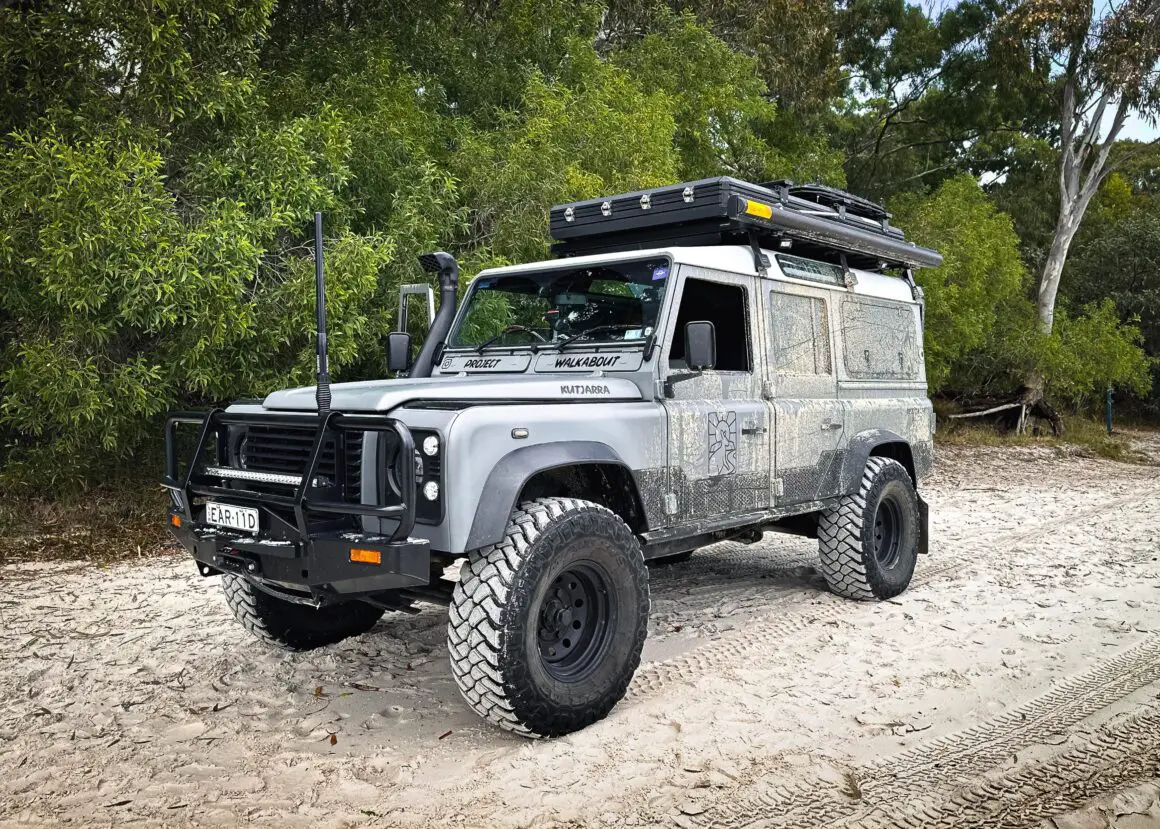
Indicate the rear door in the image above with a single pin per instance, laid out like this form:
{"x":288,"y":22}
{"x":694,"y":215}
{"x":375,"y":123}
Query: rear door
{"x":807,"y":416}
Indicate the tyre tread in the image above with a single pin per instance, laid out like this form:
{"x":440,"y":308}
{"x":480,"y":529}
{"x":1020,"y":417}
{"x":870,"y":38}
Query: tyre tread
{"x":840,"y":532}
{"x":476,"y":620}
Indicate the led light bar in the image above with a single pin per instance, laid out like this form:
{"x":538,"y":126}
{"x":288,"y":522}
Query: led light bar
{"x":251,"y":475}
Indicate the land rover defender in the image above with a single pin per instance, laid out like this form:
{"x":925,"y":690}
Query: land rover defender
{"x":707,"y":361}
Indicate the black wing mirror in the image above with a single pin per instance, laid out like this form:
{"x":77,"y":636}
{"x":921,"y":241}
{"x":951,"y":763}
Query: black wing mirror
{"x":398,"y":351}
{"x":700,"y":345}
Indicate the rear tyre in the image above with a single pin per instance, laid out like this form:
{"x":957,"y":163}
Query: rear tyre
{"x":546,"y":627}
{"x":869,"y":541}
{"x":291,"y":626}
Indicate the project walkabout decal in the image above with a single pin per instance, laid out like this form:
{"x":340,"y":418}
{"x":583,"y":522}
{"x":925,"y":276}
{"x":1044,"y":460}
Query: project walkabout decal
{"x":555,"y":362}
{"x":477,"y":363}
{"x":590,"y":361}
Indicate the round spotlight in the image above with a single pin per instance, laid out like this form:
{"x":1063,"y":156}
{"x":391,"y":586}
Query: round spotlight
{"x":431,"y":490}
{"x":430,"y":445}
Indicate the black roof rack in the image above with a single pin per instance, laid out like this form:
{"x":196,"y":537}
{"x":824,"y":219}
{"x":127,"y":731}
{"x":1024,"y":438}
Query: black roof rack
{"x":816,"y":221}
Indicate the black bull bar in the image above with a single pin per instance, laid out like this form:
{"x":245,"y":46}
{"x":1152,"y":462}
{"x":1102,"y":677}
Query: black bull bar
{"x":305,"y":547}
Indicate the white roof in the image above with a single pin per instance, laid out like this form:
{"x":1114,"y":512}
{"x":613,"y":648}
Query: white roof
{"x":731,"y":258}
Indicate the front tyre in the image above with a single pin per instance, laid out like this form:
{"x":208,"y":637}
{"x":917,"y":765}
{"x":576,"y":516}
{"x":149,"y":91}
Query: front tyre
{"x":869,"y":541}
{"x":295,"y":627}
{"x":546,"y":627}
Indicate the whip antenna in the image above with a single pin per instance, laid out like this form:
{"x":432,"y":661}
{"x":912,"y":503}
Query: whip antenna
{"x":322,"y":369}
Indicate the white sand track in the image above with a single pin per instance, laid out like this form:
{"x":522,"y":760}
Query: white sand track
{"x":1017,"y":681}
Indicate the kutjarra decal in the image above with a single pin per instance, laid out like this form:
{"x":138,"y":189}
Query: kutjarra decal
{"x":585,"y":389}
{"x":483,"y":363}
{"x":555,"y":362}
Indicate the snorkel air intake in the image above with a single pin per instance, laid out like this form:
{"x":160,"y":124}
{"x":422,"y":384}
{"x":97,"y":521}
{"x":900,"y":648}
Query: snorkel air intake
{"x":445,"y":265}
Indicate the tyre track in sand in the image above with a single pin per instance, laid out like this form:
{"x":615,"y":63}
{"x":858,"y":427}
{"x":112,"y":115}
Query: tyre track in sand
{"x":957,"y":759}
{"x":1103,"y":760}
{"x":795,"y":613}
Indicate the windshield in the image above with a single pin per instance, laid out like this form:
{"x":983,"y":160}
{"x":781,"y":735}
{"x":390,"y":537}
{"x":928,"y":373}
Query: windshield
{"x":598,"y":304}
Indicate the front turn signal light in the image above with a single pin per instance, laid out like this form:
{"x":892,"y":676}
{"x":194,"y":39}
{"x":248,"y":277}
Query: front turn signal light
{"x":366,"y":556}
{"x":175,"y":520}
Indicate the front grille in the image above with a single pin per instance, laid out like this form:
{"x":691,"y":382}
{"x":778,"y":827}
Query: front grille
{"x":283,"y":449}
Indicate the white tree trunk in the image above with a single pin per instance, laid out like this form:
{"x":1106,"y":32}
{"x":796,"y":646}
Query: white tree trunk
{"x":1077,"y":185}
{"x":1065,"y":229}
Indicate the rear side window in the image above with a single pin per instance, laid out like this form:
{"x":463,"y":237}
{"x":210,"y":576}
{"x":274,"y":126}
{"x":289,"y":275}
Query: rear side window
{"x":801,"y":334}
{"x":880,"y":340}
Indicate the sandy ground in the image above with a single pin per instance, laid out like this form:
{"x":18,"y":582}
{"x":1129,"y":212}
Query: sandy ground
{"x":1017,"y":683}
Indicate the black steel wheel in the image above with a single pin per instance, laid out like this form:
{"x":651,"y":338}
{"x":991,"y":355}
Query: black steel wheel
{"x":546,"y":628}
{"x":577,"y":617}
{"x":888,"y":531}
{"x":869,"y":541}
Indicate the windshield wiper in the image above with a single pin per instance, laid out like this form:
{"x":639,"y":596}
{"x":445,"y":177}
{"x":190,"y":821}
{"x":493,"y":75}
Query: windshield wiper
{"x":511,"y":329}
{"x":562,"y":344}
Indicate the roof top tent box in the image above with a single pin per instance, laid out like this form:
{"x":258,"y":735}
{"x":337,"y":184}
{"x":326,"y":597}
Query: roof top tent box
{"x":815,"y":221}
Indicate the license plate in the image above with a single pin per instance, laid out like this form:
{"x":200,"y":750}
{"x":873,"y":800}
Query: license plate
{"x":227,"y":515}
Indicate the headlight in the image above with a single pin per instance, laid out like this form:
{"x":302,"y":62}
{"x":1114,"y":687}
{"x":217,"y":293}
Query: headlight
{"x":430,"y":445}
{"x":431,"y":490}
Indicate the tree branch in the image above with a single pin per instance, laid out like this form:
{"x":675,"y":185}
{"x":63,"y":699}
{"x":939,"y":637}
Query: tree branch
{"x":1096,"y":173}
{"x":1093,"y":128}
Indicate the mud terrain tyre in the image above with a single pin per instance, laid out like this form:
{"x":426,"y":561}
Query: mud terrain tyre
{"x":295,"y":627}
{"x":869,"y":541}
{"x":546,"y":627}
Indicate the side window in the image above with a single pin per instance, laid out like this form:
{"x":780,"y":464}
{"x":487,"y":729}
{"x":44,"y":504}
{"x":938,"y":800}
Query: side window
{"x":726,"y":307}
{"x":880,"y":341}
{"x":801,"y":334}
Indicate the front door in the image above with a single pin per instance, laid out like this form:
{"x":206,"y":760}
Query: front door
{"x":719,"y":430}
{"x":808,"y":419}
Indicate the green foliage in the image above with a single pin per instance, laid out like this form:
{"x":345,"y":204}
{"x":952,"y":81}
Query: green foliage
{"x":724,"y":121}
{"x":120,"y":303}
{"x":1085,"y":353}
{"x":980,"y":274}
{"x":160,"y":164}
{"x":1092,"y":351}
{"x":981,"y":331}
{"x":1120,"y":261}
{"x":564,"y":142}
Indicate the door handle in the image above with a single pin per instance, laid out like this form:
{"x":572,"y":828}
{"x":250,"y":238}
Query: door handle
{"x":753,"y":430}
{"x":828,"y":425}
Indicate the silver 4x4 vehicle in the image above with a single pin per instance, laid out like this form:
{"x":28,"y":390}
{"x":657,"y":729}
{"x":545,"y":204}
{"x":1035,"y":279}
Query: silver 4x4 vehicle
{"x":702,"y":362}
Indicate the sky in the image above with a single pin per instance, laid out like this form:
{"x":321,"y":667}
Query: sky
{"x":1138,"y":129}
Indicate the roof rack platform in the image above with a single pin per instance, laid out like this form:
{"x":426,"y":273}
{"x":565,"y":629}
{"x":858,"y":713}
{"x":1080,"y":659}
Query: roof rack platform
{"x":815,"y":221}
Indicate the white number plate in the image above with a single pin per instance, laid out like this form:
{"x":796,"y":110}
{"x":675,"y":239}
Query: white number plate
{"x":227,"y":515}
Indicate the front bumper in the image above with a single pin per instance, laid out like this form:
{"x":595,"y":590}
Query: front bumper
{"x":318,"y":568}
{"x":311,"y":547}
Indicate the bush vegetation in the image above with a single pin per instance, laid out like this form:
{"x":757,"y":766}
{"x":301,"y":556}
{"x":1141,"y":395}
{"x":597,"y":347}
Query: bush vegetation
{"x":160,"y":163}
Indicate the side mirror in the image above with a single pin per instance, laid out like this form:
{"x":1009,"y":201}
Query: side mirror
{"x":700,"y":345}
{"x":398,"y":351}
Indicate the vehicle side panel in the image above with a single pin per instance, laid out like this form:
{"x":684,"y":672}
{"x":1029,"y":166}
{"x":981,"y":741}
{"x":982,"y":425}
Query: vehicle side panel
{"x":480,"y":437}
{"x":882,"y":378}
